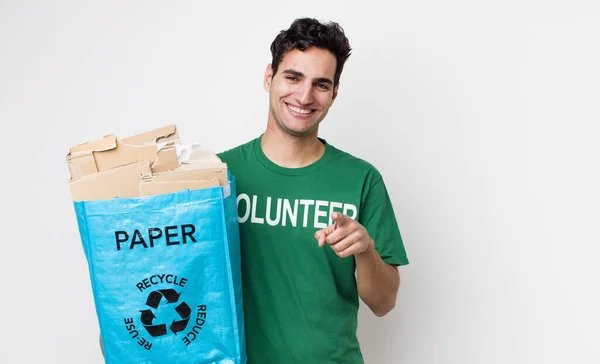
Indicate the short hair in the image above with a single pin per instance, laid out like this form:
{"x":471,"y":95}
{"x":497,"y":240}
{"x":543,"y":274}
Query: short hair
{"x":308,"y":32}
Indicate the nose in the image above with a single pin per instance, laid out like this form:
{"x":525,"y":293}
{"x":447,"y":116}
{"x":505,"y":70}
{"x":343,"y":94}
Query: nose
{"x":304,"y":95}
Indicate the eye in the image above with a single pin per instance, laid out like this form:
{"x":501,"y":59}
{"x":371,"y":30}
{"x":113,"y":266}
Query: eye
{"x":292,"y":78}
{"x":323,"y":86}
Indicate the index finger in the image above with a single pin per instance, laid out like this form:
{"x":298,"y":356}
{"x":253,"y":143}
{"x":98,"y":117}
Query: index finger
{"x":339,"y":218}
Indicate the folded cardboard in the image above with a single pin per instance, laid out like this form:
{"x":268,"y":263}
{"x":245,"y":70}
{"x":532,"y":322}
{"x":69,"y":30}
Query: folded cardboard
{"x":111,"y":152}
{"x":121,"y":182}
{"x":142,"y":165}
{"x":200,"y":174}
{"x":150,"y":188}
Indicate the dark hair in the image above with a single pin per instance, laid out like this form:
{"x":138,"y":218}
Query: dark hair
{"x":307,"y":32}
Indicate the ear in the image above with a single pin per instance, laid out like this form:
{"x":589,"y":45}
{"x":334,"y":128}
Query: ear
{"x":335,"y":93}
{"x":268,"y":77}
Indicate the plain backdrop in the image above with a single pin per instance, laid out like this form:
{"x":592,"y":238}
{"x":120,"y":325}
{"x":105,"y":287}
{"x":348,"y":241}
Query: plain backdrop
{"x":482,"y":116}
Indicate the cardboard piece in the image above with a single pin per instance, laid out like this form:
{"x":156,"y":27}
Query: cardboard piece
{"x":193,"y":175}
{"x":107,"y":142}
{"x":110,"y":152}
{"x":121,"y":182}
{"x":81,"y":157}
{"x":166,"y":159}
{"x":156,"y":188}
{"x":136,"y":166}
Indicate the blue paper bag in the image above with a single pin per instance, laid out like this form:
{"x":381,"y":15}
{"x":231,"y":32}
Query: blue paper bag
{"x":165,"y":273}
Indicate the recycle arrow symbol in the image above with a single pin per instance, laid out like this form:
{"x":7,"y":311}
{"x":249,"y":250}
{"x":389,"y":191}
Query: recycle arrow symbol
{"x":155,"y":297}
{"x":153,"y":301}
{"x":154,"y":330}
{"x":184,"y":312}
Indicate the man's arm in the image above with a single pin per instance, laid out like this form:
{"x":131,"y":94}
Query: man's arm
{"x":377,"y":281}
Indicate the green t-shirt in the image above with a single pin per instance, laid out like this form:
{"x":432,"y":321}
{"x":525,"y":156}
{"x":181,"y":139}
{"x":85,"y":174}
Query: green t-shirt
{"x":300,"y":300}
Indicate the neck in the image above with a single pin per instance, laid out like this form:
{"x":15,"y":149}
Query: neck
{"x":291,"y":151}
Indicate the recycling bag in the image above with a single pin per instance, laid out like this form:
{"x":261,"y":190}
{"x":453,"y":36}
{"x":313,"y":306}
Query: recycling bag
{"x":165,"y":274}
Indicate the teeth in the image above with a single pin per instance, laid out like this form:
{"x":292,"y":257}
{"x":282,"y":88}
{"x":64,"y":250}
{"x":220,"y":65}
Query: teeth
{"x":301,"y":111}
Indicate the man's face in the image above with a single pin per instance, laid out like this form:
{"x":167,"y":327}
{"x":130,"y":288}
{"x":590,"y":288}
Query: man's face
{"x":302,"y":90}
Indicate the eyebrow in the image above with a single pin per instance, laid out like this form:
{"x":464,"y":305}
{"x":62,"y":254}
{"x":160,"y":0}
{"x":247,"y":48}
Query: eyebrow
{"x":300,"y":74}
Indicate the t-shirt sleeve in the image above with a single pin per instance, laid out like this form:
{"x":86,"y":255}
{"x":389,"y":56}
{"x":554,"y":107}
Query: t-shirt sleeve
{"x":377,"y":216}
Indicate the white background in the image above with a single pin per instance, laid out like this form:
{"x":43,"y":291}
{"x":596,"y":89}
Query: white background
{"x":483,"y":118}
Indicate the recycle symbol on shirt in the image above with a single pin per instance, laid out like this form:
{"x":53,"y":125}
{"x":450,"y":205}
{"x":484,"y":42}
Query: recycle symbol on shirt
{"x":172,"y":297}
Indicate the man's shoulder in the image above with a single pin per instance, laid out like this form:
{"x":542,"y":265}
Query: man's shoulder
{"x":240,"y":152}
{"x":351,"y":163}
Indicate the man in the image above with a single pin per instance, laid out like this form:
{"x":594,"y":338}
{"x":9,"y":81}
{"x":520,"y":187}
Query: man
{"x":317,"y":226}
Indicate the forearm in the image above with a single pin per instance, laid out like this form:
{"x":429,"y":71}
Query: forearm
{"x":377,"y":281}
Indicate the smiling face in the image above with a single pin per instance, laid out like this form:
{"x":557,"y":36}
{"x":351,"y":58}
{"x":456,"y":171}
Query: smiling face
{"x":302,"y":91}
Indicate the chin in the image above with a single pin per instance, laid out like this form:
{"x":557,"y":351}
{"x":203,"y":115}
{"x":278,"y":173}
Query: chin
{"x":300,"y":128}
{"x":297,"y":131}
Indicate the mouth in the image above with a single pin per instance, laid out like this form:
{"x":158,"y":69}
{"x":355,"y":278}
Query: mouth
{"x":300,"y":112}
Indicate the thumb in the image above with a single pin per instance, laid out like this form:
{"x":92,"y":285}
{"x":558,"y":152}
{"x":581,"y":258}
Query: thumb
{"x":320,"y":236}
